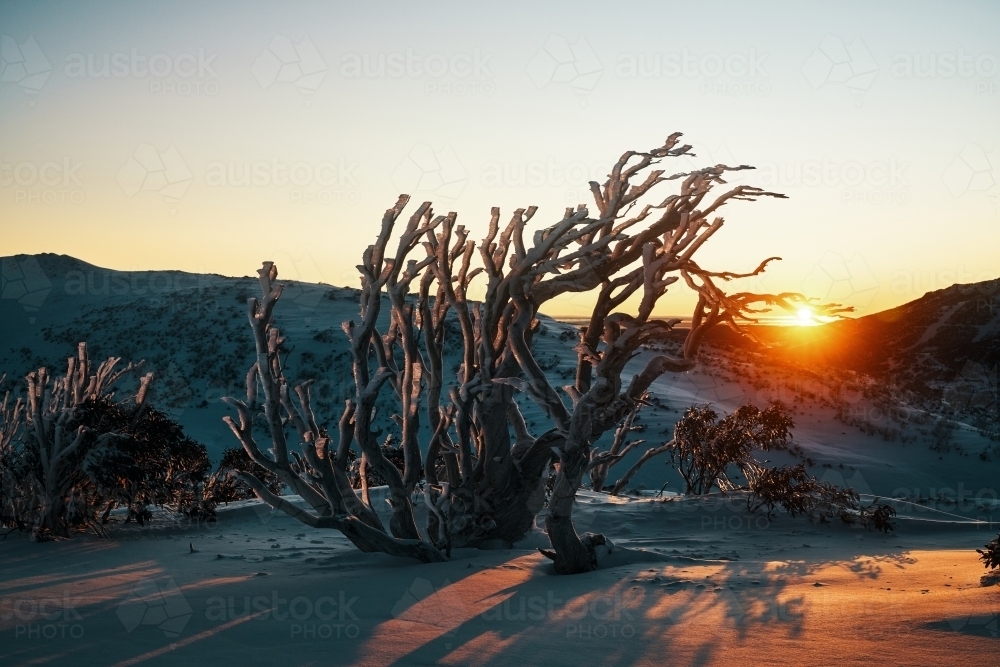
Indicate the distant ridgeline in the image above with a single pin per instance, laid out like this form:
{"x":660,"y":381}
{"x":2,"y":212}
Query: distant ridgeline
{"x":943,"y":346}
{"x":192,"y":331}
{"x":190,"y":328}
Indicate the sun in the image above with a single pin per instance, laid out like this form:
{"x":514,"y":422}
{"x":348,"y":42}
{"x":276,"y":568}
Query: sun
{"x":805,"y":317}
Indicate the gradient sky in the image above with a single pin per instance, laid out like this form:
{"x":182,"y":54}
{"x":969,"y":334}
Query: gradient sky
{"x":879,"y":123}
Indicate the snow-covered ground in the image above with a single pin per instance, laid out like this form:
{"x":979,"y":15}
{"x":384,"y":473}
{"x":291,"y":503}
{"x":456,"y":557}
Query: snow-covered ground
{"x":686,"y":581}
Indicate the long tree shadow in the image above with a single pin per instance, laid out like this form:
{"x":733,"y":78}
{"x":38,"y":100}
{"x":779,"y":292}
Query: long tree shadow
{"x":675,"y":599}
{"x":653,"y":603}
{"x":678,"y":609}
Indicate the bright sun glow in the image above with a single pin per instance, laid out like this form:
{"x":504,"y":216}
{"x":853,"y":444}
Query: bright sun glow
{"x":805,"y":316}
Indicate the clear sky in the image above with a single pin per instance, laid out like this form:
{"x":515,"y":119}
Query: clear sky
{"x":211,"y":136}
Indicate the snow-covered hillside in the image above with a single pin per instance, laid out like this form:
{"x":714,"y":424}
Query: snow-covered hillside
{"x":192,"y":331}
{"x":688,"y":581}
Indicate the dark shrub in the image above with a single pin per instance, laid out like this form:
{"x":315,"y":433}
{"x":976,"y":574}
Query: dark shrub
{"x":990,"y":554}
{"x":151,"y":462}
{"x":225,"y":487}
{"x":704,"y":446}
{"x":797,"y":492}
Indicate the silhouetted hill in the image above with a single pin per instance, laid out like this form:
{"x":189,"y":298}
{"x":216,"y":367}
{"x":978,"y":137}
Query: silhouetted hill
{"x":944,"y":345}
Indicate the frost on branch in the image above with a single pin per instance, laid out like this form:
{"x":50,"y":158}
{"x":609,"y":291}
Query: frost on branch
{"x":483,"y":469}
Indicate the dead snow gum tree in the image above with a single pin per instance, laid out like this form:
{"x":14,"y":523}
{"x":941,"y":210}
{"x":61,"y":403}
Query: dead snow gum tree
{"x":483,"y":471}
